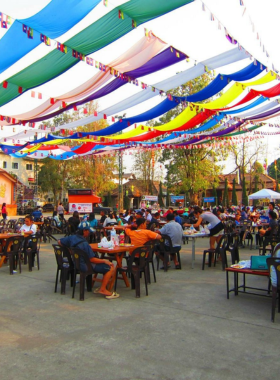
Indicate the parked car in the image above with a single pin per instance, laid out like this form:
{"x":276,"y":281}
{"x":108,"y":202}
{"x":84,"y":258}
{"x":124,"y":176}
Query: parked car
{"x":98,"y":209}
{"x":48,"y":207}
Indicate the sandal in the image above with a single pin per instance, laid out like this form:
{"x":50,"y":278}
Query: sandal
{"x":112,"y":296}
{"x":178,"y":266}
{"x":96,"y":291}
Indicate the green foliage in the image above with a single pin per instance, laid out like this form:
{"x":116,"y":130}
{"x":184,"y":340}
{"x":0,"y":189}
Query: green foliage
{"x":160,"y":195}
{"x":274,"y":170}
{"x":190,"y":171}
{"x":225,"y":195}
{"x":244,"y":193}
{"x":234,"y":196}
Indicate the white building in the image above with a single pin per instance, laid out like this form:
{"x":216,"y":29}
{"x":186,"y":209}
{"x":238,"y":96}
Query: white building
{"x":23,"y":168}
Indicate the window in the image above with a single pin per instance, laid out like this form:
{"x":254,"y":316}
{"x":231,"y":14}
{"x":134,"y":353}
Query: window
{"x":4,"y":164}
{"x":28,"y":166}
{"x":14,"y":165}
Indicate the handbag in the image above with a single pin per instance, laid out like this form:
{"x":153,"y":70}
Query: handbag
{"x":259,"y":262}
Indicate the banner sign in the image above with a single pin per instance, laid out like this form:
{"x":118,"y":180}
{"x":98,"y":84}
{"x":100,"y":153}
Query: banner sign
{"x":177,"y":198}
{"x":153,"y":198}
{"x":80,"y":207}
{"x":209,"y":199}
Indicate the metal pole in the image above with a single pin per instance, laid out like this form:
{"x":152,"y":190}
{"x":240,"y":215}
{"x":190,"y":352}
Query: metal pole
{"x":120,"y":197}
{"x":36,"y":180}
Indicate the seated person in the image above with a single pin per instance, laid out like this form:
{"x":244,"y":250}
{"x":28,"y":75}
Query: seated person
{"x":169,"y":211}
{"x":28,"y":228}
{"x":175,"y":232}
{"x":37,"y":214}
{"x":273,"y":225}
{"x":155,"y":219}
{"x":119,"y":219}
{"x":99,"y":265}
{"x":141,"y":236}
{"x":148,"y":216}
{"x":177,"y":218}
{"x":56,"y":218}
{"x":74,"y":221}
{"x":92,"y":221}
{"x":109,"y":220}
{"x":102,"y":219}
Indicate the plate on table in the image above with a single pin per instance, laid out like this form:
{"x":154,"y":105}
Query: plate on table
{"x":237,"y":266}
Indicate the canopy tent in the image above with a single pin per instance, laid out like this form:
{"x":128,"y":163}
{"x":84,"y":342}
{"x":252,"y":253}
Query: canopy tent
{"x":265,"y":194}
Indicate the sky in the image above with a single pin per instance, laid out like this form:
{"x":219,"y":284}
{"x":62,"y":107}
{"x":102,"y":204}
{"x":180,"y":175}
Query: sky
{"x":188,"y":29}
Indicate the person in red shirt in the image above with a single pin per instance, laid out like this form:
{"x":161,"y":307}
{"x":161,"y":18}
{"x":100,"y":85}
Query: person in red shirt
{"x":169,"y":211}
{"x":141,"y":236}
{"x":4,"y":211}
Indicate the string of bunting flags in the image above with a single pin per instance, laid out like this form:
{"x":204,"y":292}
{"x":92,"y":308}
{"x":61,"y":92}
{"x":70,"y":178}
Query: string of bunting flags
{"x":231,"y":38}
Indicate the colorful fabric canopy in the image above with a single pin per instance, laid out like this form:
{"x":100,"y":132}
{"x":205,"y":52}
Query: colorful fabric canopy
{"x":50,"y":22}
{"x":159,"y":62}
{"x":96,"y":36}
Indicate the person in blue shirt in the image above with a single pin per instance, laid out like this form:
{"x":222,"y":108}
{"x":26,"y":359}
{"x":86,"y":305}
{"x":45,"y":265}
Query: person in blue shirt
{"x":37,"y":215}
{"x":99,"y":265}
{"x":177,"y":219}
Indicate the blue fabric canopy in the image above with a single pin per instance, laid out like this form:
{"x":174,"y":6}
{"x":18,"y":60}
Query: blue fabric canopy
{"x":221,"y":81}
{"x":52,"y":21}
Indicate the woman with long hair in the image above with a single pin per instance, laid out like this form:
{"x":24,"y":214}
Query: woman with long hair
{"x":4,"y":211}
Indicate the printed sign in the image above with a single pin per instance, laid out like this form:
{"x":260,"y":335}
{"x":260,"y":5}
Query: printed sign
{"x":80,"y":207}
{"x":209,"y":199}
{"x":153,"y":198}
{"x":177,"y":198}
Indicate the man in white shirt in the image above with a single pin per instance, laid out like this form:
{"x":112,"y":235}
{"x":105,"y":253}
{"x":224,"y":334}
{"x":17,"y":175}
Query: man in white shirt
{"x":148,"y":215}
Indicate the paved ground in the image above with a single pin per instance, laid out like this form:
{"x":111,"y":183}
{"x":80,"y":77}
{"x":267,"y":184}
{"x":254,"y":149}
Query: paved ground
{"x":184,"y":329}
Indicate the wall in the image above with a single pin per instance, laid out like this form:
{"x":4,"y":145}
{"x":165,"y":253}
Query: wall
{"x":6,"y":190}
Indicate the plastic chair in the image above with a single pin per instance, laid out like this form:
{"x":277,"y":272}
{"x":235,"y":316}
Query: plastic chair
{"x":167,"y":251}
{"x":12,"y":251}
{"x":232,"y":248}
{"x":77,"y":254}
{"x":137,"y":263}
{"x":216,"y":252}
{"x":30,"y":250}
{"x":275,"y":263}
{"x":64,"y":266}
{"x":151,"y":245}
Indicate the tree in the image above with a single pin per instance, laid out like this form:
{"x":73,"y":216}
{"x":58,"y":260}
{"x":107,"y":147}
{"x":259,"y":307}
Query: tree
{"x":53,"y":175}
{"x":245,"y":156}
{"x":126,"y":200}
{"x":225,"y":197}
{"x":214,"y":192}
{"x":167,"y":202}
{"x":234,"y":196}
{"x":244,"y":193}
{"x":256,"y":179}
{"x":274,"y":169}
{"x":189,"y":171}
{"x":145,"y":168}
{"x":160,"y":195}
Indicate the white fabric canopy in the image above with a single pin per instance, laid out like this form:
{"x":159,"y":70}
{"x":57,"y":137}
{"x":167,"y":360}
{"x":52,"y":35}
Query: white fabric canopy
{"x":265,"y":194}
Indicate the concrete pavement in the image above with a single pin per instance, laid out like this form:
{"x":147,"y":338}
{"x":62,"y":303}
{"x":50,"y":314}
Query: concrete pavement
{"x":184,"y":329}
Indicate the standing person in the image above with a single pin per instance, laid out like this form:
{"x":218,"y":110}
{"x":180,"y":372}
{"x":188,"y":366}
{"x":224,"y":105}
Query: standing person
{"x":37,"y":214}
{"x":99,"y":265}
{"x":4,"y":211}
{"x":215,"y":226}
{"x":174,"y":230}
{"x":60,"y":211}
{"x":271,"y":207}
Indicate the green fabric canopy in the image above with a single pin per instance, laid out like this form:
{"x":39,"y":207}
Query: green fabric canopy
{"x":98,"y":35}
